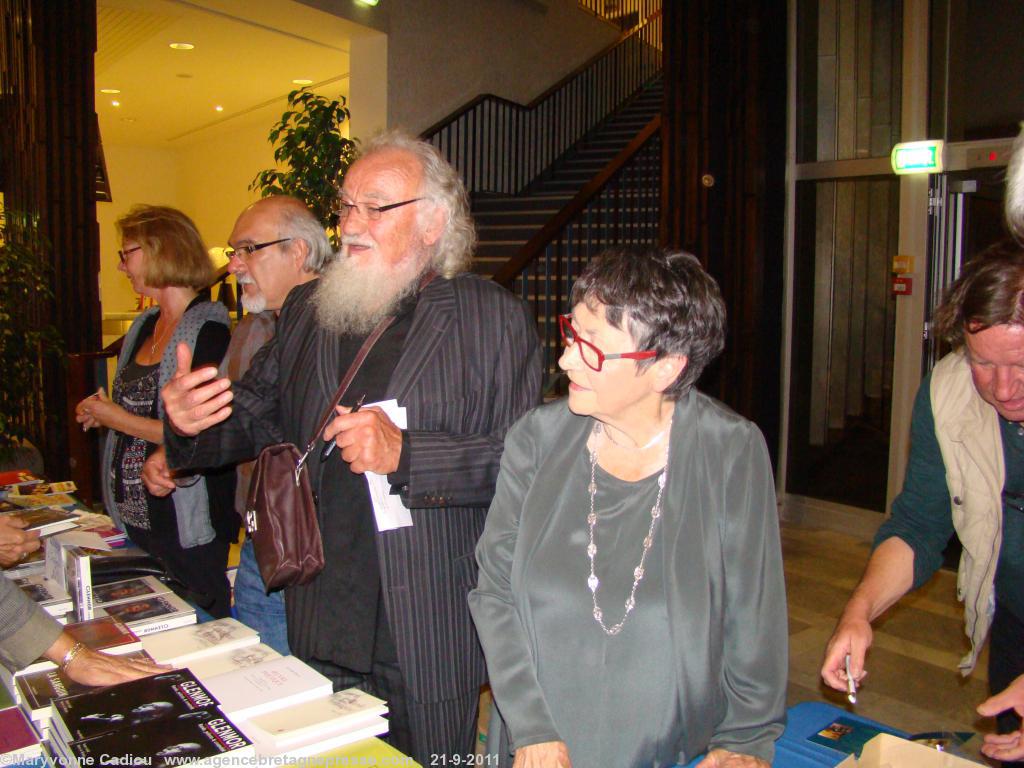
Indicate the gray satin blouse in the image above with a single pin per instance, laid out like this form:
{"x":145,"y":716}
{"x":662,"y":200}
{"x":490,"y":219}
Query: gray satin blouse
{"x":702,"y":661}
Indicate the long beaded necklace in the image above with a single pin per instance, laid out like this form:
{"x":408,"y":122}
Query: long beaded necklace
{"x":638,"y":573}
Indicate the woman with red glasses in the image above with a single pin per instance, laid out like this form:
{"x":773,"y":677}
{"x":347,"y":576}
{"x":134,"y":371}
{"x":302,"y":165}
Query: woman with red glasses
{"x":631,"y":601}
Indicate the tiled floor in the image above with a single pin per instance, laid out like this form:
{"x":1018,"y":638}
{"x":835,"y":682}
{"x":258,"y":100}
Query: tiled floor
{"x":912,"y":682}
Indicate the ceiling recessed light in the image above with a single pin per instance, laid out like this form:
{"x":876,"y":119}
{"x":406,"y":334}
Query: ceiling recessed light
{"x":302,"y":81}
{"x":219,"y":108}
{"x":115,"y":103}
{"x":369,"y":2}
{"x":182,"y":46}
{"x":110,"y":91}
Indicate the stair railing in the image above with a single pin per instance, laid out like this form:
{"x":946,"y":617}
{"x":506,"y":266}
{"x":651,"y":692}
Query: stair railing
{"x":500,"y":146}
{"x":620,"y":205}
{"x":87,"y":371}
{"x":625,"y":14}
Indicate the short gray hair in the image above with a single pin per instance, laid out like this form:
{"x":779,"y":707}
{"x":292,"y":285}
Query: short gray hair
{"x":442,"y":186}
{"x":297,"y":221}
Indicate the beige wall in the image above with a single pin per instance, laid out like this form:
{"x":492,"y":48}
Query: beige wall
{"x":442,"y":53}
{"x":137,"y":175}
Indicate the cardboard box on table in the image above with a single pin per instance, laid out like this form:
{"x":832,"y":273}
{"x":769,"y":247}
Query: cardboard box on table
{"x":886,"y":751}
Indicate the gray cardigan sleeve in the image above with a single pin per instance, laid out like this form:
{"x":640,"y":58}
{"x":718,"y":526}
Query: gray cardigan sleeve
{"x":26,"y":630}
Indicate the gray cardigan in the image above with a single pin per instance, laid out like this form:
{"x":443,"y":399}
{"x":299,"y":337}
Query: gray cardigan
{"x":723,"y":576}
{"x":191,"y":502}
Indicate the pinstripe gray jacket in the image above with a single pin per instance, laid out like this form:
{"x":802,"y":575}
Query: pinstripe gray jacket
{"x":469,"y":369}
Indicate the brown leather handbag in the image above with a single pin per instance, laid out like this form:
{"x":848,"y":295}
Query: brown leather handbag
{"x":280,"y":512}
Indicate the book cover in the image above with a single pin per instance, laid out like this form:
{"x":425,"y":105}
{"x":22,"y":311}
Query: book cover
{"x":129,"y":589}
{"x":183,"y":646}
{"x":229,"y":661}
{"x":38,"y":690}
{"x":153,"y":614}
{"x":17,"y":477}
{"x":317,"y":744}
{"x":18,"y":739}
{"x":47,"y":593}
{"x":271,"y":685}
{"x":202,"y":737}
{"x":105,"y":633}
{"x":338,"y":713}
{"x":43,"y":489}
{"x":47,"y":520}
{"x":33,"y":500}
{"x":127,"y":705}
{"x":846,"y":735}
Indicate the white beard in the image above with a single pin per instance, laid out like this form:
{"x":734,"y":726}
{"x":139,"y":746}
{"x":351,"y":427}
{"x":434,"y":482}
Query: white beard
{"x":253,"y":304}
{"x":352,"y":299}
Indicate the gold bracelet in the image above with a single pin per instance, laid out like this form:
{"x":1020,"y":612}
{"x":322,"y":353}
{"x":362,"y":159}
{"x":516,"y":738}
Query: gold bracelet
{"x":71,"y":655}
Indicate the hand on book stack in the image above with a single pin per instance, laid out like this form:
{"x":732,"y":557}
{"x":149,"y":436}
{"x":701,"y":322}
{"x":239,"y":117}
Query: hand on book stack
{"x":89,"y":667}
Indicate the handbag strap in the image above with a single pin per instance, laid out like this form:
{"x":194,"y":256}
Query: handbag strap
{"x":350,"y":374}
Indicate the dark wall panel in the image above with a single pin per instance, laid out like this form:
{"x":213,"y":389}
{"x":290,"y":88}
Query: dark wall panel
{"x":724,"y":175}
{"x":47,"y":157}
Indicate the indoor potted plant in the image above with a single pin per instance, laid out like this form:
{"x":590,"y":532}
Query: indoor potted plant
{"x":311,"y":153}
{"x":24,"y":338}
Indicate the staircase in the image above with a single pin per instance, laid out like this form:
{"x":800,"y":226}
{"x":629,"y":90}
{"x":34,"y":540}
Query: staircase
{"x":506,"y":223}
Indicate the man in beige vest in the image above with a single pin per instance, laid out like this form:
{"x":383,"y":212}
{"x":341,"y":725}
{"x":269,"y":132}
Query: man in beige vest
{"x":965,"y":473}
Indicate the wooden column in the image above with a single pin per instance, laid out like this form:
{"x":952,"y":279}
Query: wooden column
{"x":723,"y":180}
{"x":47,"y":167}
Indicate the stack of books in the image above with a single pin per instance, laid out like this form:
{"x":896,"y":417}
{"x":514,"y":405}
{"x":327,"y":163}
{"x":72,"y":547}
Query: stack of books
{"x":182,"y":647}
{"x":318,"y":726}
{"x":37,"y":690}
{"x":48,"y":594}
{"x":163,"y":720}
{"x":19,"y":740}
{"x":145,"y":604}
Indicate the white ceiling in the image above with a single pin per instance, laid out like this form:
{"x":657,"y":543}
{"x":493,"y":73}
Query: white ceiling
{"x":247,"y":52}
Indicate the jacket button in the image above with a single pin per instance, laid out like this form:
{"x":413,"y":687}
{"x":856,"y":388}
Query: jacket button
{"x":957,"y":501}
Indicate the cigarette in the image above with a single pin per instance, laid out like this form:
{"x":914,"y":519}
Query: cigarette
{"x":851,"y":684}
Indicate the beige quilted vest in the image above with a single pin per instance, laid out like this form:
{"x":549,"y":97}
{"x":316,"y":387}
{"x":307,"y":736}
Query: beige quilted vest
{"x":967,"y":429}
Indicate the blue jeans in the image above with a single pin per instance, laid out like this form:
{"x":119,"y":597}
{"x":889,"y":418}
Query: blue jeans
{"x":255,"y":608}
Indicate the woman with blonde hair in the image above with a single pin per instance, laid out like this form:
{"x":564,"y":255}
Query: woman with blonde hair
{"x":164,"y":258}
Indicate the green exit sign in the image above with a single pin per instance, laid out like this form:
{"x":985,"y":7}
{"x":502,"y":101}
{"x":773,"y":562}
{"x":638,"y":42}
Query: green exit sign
{"x":917,"y":157}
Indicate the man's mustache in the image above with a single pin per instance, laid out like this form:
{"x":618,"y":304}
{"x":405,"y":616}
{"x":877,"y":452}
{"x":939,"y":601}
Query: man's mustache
{"x":350,"y":240}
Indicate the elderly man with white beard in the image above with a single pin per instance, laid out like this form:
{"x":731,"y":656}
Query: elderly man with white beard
{"x":389,"y":612}
{"x":276,"y":244}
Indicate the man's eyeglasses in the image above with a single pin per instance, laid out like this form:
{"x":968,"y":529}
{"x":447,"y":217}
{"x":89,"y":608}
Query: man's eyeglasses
{"x":591,"y":355}
{"x":123,"y":255}
{"x":245,"y":251}
{"x":371,"y":212}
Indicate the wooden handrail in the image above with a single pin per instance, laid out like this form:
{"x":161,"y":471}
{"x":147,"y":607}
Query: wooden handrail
{"x":536,"y":244}
{"x":469,"y":105}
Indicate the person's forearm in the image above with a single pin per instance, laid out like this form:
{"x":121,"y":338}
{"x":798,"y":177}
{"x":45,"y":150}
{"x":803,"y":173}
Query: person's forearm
{"x":888,"y":576}
{"x":150,"y":430}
